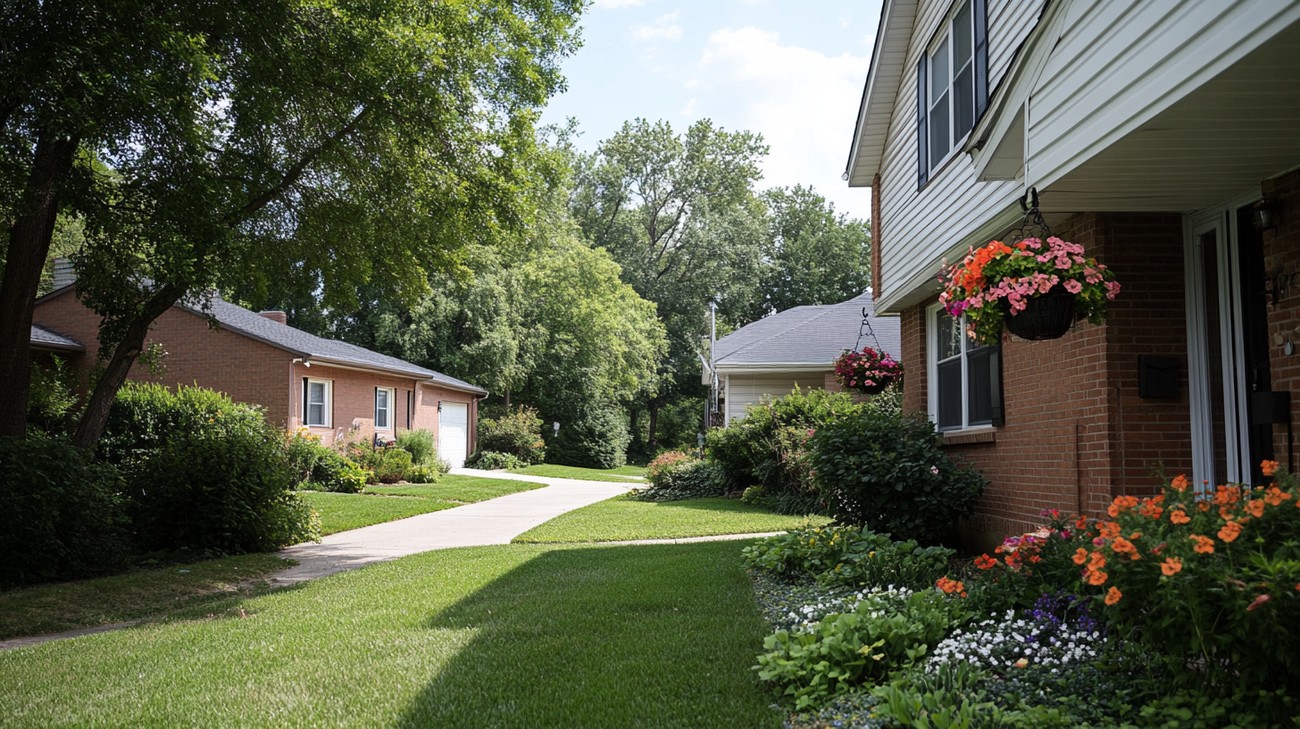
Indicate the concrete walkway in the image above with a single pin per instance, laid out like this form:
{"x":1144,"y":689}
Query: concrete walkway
{"x":495,"y":521}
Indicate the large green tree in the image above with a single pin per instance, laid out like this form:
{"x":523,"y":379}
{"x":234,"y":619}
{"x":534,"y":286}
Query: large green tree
{"x":680,"y":215}
{"x":261,"y":143}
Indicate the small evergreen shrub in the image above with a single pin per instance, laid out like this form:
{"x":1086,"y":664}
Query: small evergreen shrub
{"x":518,"y":433}
{"x":493,"y":460}
{"x":891,"y":474}
{"x":420,"y":444}
{"x":596,"y":438}
{"x":61,"y":516}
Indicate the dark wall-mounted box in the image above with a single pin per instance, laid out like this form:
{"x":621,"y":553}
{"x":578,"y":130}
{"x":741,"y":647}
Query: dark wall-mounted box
{"x":1158,"y":377}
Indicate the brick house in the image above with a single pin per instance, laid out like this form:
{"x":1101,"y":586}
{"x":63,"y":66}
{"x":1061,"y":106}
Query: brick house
{"x":337,"y":390}
{"x":1162,"y":136}
{"x":793,"y":348}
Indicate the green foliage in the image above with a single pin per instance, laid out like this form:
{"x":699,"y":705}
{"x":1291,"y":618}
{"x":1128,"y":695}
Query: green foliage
{"x":335,"y":472}
{"x":423,"y":474}
{"x":493,"y":460}
{"x":892,"y":475}
{"x":886,"y":631}
{"x":53,"y":396}
{"x":850,"y":556}
{"x":386,"y":464}
{"x":665,"y":461}
{"x":596,"y":437}
{"x":685,"y":479}
{"x":203,"y":473}
{"x":769,"y":447}
{"x":61,"y":516}
{"x":518,"y":433}
{"x":420,"y":444}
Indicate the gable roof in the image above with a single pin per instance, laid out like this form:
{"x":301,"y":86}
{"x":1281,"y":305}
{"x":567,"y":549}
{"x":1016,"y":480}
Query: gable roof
{"x":805,"y":337}
{"x":888,"y":66}
{"x":43,"y":338}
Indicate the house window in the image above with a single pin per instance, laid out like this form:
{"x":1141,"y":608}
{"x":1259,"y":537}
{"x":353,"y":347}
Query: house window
{"x":384,"y":408}
{"x":317,"y":402}
{"x":965,"y":377}
{"x":952,"y":85}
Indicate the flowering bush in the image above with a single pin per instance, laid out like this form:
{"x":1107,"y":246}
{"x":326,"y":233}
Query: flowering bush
{"x":988,"y":276}
{"x":867,"y":371}
{"x":666,"y":461}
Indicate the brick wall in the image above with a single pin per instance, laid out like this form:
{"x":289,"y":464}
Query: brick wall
{"x":1076,"y":431}
{"x":1282,"y":265}
{"x":253,"y":372}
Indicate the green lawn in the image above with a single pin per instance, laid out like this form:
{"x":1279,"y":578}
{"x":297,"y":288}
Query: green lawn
{"x":342,"y":512}
{"x":133,"y":596}
{"x":507,"y":636}
{"x":621,"y":518}
{"x":622,"y":474}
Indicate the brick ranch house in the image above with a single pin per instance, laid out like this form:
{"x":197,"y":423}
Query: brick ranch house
{"x":336,"y":390}
{"x":1164,"y":137}
{"x":793,"y":348}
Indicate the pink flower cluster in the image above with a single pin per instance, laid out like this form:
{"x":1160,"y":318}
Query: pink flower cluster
{"x":868,"y":369}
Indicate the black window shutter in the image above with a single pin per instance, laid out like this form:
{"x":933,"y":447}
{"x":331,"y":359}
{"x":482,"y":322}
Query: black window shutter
{"x":304,"y":402}
{"x":979,"y":16}
{"x":995,"y":386}
{"x":922,"y":132}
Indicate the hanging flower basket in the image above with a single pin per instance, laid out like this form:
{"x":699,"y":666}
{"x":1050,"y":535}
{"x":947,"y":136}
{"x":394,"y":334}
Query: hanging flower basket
{"x":1037,"y":288}
{"x":868,"y":371}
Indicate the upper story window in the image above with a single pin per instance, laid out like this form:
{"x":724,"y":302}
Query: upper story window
{"x":317,"y":402}
{"x":952,"y":85}
{"x":965,"y":377}
{"x":384,"y":408}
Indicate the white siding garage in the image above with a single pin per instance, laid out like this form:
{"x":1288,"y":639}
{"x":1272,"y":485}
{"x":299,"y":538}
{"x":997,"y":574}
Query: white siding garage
{"x":745,"y":390}
{"x":453,"y":433}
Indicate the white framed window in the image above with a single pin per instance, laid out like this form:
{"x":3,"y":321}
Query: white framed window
{"x":965,"y":377}
{"x":384,"y":398}
{"x":318,"y":402}
{"x":952,"y":85}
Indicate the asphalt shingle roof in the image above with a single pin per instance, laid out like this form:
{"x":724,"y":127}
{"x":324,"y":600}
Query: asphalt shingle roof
{"x":327,"y":351}
{"x":46,"y":339}
{"x":807,"y":335}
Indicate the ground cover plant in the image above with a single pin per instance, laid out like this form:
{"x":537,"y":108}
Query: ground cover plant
{"x":622,"y":518}
{"x":142,"y":594}
{"x":1176,"y":609}
{"x":506,"y":636}
{"x":379,"y":504}
{"x":622,"y":474}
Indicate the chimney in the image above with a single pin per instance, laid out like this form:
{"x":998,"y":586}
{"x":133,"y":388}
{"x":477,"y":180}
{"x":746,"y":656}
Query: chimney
{"x":63,"y":273}
{"x":275,"y":316}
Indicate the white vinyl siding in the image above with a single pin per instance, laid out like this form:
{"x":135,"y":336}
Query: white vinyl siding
{"x":317,"y":403}
{"x":746,"y":390}
{"x":384,"y":398}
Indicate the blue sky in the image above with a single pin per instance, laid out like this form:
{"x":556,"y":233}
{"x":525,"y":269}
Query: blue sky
{"x":792,"y":71}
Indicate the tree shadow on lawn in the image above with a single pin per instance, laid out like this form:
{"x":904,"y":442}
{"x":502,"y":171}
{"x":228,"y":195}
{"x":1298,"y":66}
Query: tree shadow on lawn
{"x":660,"y":636}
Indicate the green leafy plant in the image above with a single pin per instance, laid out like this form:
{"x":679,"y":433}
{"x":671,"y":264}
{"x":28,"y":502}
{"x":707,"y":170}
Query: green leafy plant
{"x":518,"y":433}
{"x":890,"y":473}
{"x":850,"y":556}
{"x":493,"y":460}
{"x":665,"y":461}
{"x":683,"y":479}
{"x":597,"y":437}
{"x":420,"y":444}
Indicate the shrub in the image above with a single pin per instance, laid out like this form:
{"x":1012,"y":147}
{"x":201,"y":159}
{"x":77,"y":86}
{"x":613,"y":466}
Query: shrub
{"x":690,"y":479}
{"x":61,"y":516}
{"x":768,"y":447}
{"x":335,"y":472}
{"x":492,"y":460}
{"x":53,"y":395}
{"x":390,"y":465}
{"x":664,"y":461}
{"x":518,"y":433}
{"x":596,"y":438}
{"x":420,"y":444}
{"x":423,"y":474}
{"x":849,"y":556}
{"x":891,"y":474}
{"x":203,"y":473}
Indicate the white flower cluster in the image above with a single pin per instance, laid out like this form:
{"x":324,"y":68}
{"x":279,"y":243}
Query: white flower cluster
{"x":1011,"y":642}
{"x":877,"y":600}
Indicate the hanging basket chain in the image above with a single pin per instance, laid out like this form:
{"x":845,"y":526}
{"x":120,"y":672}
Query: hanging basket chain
{"x":1032,"y":225}
{"x":865,"y":330}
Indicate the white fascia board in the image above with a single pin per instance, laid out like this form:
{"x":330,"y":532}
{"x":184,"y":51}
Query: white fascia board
{"x":773,"y":368}
{"x":888,"y":66}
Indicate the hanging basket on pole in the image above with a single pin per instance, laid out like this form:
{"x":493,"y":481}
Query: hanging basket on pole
{"x":868,"y":370}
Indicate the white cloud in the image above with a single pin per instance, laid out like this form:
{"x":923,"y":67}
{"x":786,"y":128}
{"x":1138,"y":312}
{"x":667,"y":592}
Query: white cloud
{"x":616,"y":4}
{"x":803,"y":102}
{"x":664,"y":28}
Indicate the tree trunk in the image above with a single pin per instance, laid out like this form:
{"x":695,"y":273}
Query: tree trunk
{"x":95,"y":417}
{"x":506,"y":397}
{"x":652,"y":440}
{"x":634,"y":424}
{"x":29,"y":244}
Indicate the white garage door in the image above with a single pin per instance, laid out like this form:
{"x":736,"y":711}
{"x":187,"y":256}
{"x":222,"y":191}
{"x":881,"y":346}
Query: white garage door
{"x":453,"y":433}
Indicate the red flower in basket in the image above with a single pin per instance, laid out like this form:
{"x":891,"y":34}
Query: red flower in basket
{"x":868,"y":370}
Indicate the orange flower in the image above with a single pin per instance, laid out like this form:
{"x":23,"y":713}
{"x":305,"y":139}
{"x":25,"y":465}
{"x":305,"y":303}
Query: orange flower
{"x":1178,"y":516}
{"x":1108,"y":529}
{"x":1097,"y":577}
{"x":1230,"y":532}
{"x":1179,"y":483}
{"x":1113,"y":595}
{"x":1203,"y":506}
{"x":1097,"y":561}
{"x":1081,"y":523}
{"x":985,"y":562}
{"x":1227,"y":495}
{"x":1268,"y":468}
{"x":1204,"y":545}
{"x":1151,"y":509}
{"x":1275,"y":496}
{"x":1121,"y":504}
{"x":1171,"y":566}
{"x":1124,"y":546}
{"x":1254,"y":507}
{"x":950,"y":586}
{"x":1257,"y":603}
{"x":1080,"y":556}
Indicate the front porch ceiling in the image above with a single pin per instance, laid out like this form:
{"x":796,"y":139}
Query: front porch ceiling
{"x":1222,"y":140}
